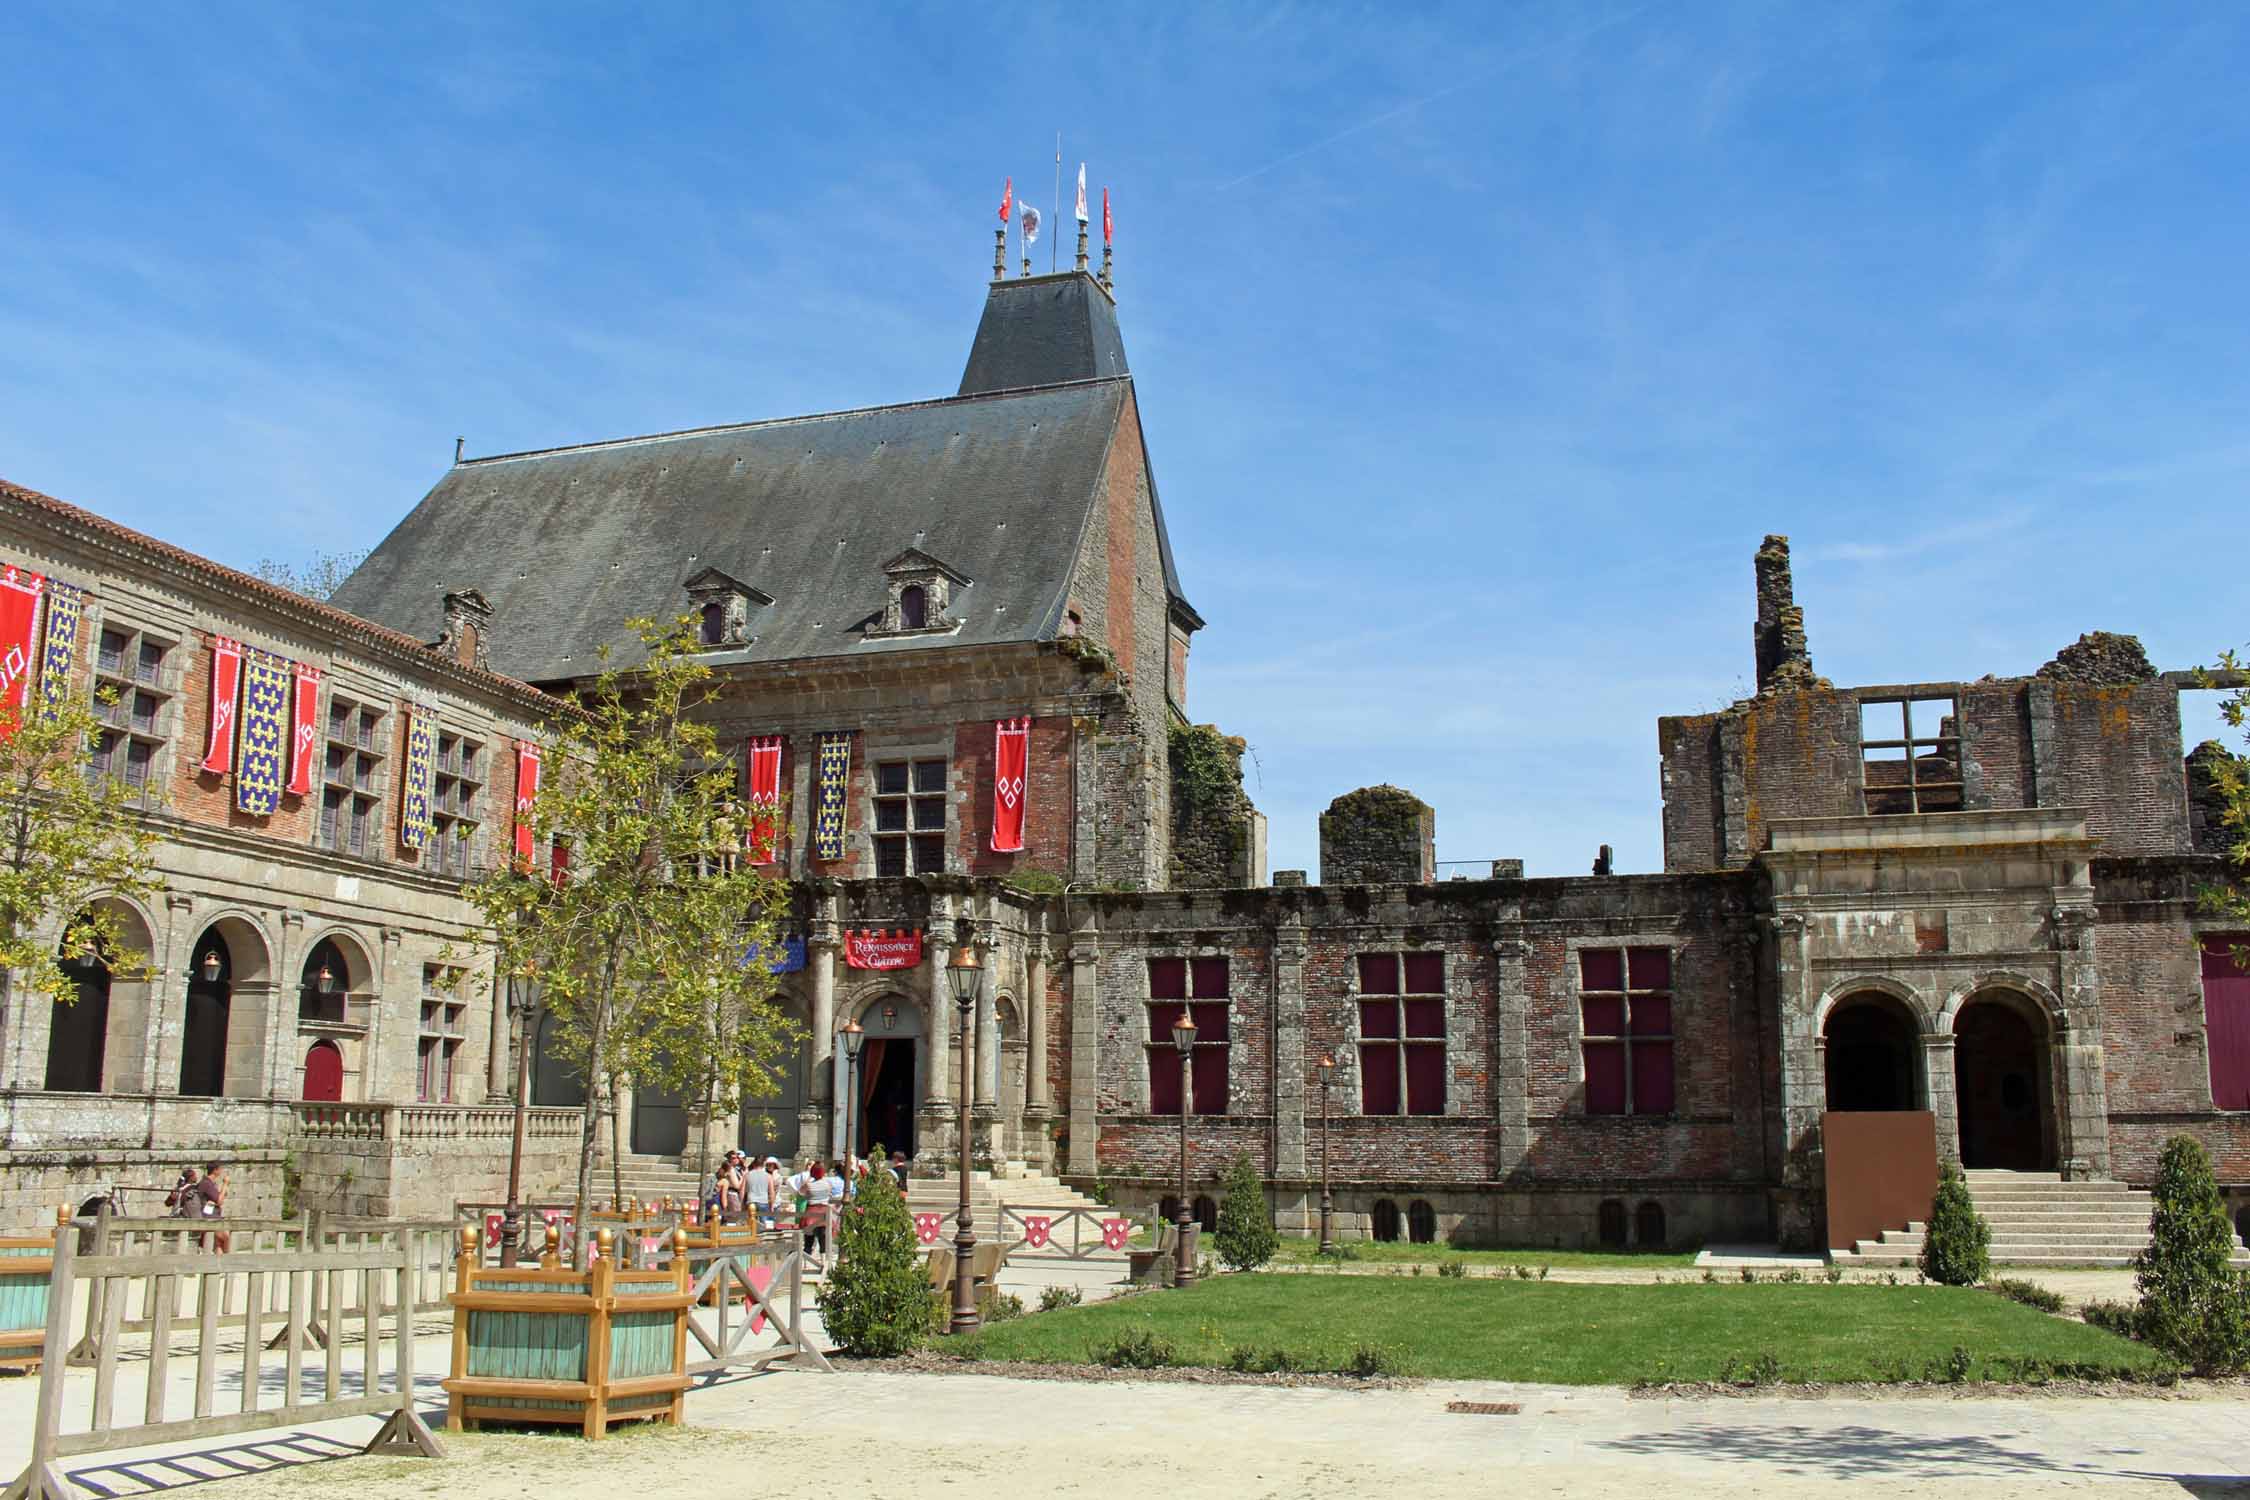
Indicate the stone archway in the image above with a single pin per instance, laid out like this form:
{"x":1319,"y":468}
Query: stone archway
{"x":226,"y":1031}
{"x":1873,"y":1041}
{"x":893,"y":1074}
{"x":78,"y":1030}
{"x":2004,"y":1082}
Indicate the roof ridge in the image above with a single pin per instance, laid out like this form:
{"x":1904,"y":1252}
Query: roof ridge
{"x":813,"y":416}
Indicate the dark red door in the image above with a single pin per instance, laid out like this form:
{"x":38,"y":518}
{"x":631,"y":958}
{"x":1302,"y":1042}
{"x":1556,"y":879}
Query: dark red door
{"x":324,"y":1073}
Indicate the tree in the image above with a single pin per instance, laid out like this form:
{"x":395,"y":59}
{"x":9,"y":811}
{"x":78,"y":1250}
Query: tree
{"x":1245,"y":1239}
{"x":73,"y":835}
{"x":316,"y":578}
{"x":2227,"y":787}
{"x":1957,"y":1245}
{"x":877,"y":1300}
{"x":644,"y":951}
{"x":2194,"y":1304}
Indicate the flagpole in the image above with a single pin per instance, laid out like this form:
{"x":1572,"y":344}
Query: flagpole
{"x":1054,"y":245}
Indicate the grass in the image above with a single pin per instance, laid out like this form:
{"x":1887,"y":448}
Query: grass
{"x":1302,"y":1250}
{"x":1575,"y":1334}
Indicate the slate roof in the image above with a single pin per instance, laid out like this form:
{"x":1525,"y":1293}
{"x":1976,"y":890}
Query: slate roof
{"x":568,"y":543}
{"x":1044,"y":330}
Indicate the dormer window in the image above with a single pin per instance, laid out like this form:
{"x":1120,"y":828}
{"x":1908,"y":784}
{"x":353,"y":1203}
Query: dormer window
{"x":922,"y":591}
{"x":722,"y":606}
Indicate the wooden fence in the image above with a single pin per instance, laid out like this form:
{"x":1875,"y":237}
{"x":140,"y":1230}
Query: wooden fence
{"x":739,"y":1287}
{"x":157,"y":1277}
{"x":1091,"y":1233}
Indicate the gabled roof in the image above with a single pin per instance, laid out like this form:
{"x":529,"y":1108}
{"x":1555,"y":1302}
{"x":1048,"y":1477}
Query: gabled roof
{"x":915,"y":560}
{"x":1044,"y":330}
{"x":569,"y":543}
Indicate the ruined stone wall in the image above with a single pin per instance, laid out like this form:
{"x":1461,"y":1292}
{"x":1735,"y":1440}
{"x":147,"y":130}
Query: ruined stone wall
{"x":1211,"y":813}
{"x":2207,"y":829}
{"x":2115,"y":751}
{"x":1378,"y":835}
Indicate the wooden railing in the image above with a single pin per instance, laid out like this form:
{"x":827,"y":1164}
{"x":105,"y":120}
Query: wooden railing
{"x":160,"y":1279}
{"x":1072,"y":1233}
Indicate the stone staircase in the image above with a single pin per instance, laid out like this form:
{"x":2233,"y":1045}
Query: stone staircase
{"x":2037,"y":1219}
{"x":1014,"y":1185}
{"x":650,"y":1179}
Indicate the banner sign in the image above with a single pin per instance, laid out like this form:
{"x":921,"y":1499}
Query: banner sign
{"x":835,"y":769}
{"x":527,"y":792}
{"x":414,"y":794}
{"x":66,"y":602}
{"x":765,"y":795}
{"x":226,"y":683}
{"x":265,"y":705}
{"x":20,"y":591}
{"x":926,"y":1228}
{"x":883,"y":950}
{"x":304,"y":729}
{"x":788,"y":958}
{"x":1011,"y":754}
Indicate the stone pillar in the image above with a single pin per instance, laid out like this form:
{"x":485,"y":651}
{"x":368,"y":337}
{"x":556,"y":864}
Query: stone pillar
{"x":2079,"y":1087}
{"x":167,"y":1000}
{"x":284,"y":1060}
{"x":394,"y":1076}
{"x":1289,"y":1064}
{"x":1085,"y":1044}
{"x":1038,"y":1088}
{"x":1511,"y":1056}
{"x":988,"y":1034}
{"x":499,"y":1077}
{"x":1937,"y":1078}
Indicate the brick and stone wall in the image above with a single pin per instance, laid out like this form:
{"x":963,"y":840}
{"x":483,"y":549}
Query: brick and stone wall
{"x":1378,"y":835}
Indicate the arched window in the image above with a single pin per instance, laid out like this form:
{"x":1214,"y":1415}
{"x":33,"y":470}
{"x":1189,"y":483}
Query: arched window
{"x":321,"y":986}
{"x":713,"y":630}
{"x":1168,"y":1209}
{"x":913,"y":607}
{"x":1385,"y":1221}
{"x":1207,"y":1213}
{"x":1421,"y":1222}
{"x":210,"y":994}
{"x":1610,"y":1224}
{"x":78,"y":1036}
{"x":1648,"y":1226}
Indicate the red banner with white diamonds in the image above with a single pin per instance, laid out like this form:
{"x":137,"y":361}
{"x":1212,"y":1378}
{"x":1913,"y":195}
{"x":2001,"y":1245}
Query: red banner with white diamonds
{"x":1011,"y":755}
{"x":765,"y":796}
{"x":866,"y":949}
{"x":226,"y":685}
{"x":20,"y":590}
{"x":304,"y":729}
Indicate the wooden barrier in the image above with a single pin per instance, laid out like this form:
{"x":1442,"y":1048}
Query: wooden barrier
{"x":1094,"y":1233}
{"x":297,"y":1271}
{"x":739,"y":1289}
{"x":27,"y":1266}
{"x":562,"y":1347}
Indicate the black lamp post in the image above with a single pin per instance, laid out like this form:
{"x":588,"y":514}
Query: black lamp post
{"x":855,"y":1037}
{"x":1327,"y":1199}
{"x":1183,"y":1037}
{"x":963,"y":975}
{"x":522,"y":1010}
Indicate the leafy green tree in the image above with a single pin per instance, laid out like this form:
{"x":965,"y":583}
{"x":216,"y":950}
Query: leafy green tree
{"x":644,"y":953}
{"x":1245,"y":1240}
{"x":72,"y":837}
{"x":2227,"y":787}
{"x":1957,"y":1245}
{"x":2194,"y":1304}
{"x":877,"y":1299}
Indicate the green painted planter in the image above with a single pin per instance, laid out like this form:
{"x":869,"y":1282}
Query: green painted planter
{"x":26,"y":1270}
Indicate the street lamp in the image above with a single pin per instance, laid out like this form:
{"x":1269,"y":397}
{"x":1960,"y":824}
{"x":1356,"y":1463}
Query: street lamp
{"x":963,"y":975}
{"x":855,"y":1037}
{"x":523,"y":1008}
{"x":1183,"y":1037}
{"x":1327,"y":1199}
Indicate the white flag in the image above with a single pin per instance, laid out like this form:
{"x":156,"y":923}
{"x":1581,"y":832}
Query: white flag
{"x":1030,"y":222}
{"x":1081,"y":192}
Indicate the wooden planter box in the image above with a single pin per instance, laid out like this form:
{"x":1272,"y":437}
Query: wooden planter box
{"x":27,"y":1266}
{"x":567,"y":1348}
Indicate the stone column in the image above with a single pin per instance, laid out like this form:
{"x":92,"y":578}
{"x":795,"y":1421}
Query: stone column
{"x":2079,"y":1089}
{"x":1937,"y":1076}
{"x":1289,"y":1088}
{"x":824,"y":951}
{"x":167,"y":999}
{"x":820,"y":1079}
{"x":283,"y":1059}
{"x":499,"y":1078}
{"x":1038,"y":1089}
{"x":1085,"y":1044}
{"x":1511,"y":1056}
{"x":988,"y":1033}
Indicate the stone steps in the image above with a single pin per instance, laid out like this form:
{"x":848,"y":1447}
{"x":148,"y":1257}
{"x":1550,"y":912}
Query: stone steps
{"x":2037,"y":1219}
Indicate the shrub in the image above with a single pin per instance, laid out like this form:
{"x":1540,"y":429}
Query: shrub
{"x":996,"y":1306}
{"x":1372,"y":1362}
{"x":1246,"y":1239}
{"x":1138,"y":1350}
{"x":1250,"y":1360}
{"x":1453,"y":1268}
{"x":2194,"y":1305}
{"x":2029,"y":1293}
{"x":1055,"y":1298}
{"x":1953,"y":1369}
{"x":1341,"y":1250}
{"x":2121,"y":1318}
{"x":877,"y":1299}
{"x":1833,"y":1274}
{"x":1957,"y":1248}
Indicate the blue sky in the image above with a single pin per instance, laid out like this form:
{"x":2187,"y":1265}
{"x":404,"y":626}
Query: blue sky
{"x":1477,"y":346}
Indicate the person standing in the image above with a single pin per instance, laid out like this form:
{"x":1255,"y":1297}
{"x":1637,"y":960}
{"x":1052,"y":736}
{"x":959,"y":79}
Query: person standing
{"x":898,"y":1170}
{"x":211,"y":1205}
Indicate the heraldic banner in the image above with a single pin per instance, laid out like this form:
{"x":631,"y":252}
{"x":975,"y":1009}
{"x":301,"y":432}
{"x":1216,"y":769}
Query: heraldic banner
{"x":866,"y":949}
{"x":265,"y":705}
{"x":65,"y":603}
{"x":527,"y":792}
{"x":20,"y":590}
{"x":1011,"y":755}
{"x":828,"y":816}
{"x":304,"y":729}
{"x":765,"y":796}
{"x":414,"y":794}
{"x":226,"y":682}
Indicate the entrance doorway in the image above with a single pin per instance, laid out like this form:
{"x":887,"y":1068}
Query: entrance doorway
{"x":886,"y":1115}
{"x":324,"y":1073}
{"x":659,"y":1122}
{"x":2001,"y":1083}
{"x":1872,"y":1039}
{"x":79,"y":1033}
{"x":210,"y":995}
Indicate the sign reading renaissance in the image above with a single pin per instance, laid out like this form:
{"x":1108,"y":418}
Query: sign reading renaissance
{"x":882,"y":950}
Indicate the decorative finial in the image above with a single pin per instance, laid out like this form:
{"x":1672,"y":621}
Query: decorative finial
{"x":1106,"y":232}
{"x":458,"y":444}
{"x":1081,"y":209}
{"x":1000,"y":235}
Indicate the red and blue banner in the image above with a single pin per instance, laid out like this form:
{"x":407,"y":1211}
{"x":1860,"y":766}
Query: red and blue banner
{"x":66,"y":602}
{"x":261,"y":770}
{"x":527,"y":792}
{"x":414,"y":787}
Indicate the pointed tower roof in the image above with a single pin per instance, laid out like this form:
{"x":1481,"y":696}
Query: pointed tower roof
{"x":1044,"y":330}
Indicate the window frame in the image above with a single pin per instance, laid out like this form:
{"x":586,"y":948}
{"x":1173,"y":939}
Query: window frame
{"x":2235,"y":1033}
{"x":1913,"y":788}
{"x":134,"y":678}
{"x":1401,"y":1043}
{"x":441,"y":1029}
{"x":460,"y":765}
{"x":914,"y":847}
{"x":1159,"y":1051}
{"x":353,"y":790}
{"x":1626,"y":1039}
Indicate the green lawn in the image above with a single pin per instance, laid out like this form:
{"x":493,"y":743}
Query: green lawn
{"x":1571,"y":1333}
{"x":1302,"y":1251}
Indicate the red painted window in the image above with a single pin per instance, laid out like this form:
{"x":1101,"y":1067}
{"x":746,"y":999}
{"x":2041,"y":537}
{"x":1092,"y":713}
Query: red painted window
{"x":1199,"y":987}
{"x":2226,"y":1019}
{"x":1625,"y":1014}
{"x":1402,"y":1033}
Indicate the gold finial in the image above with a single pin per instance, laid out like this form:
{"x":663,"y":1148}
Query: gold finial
{"x":604,"y":1243}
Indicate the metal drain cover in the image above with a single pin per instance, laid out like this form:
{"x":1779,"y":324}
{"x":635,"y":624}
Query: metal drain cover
{"x":1485,"y":1408}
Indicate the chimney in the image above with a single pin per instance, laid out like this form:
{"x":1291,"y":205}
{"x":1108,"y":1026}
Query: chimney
{"x":1783,"y":659}
{"x":468,"y":621}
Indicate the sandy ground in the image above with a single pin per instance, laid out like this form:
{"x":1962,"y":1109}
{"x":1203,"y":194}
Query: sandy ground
{"x":888,"y":1433}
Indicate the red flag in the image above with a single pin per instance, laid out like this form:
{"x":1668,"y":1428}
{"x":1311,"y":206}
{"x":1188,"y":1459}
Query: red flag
{"x":1007,"y":199}
{"x":1011,"y":752}
{"x":20,"y":592}
{"x":765,"y":795}
{"x":226,"y":682}
{"x":304,"y":729}
{"x":1105,"y":216}
{"x":527,"y":792}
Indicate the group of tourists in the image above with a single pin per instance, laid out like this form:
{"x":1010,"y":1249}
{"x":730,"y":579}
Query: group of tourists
{"x":202,"y":1196}
{"x":813,"y":1197}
